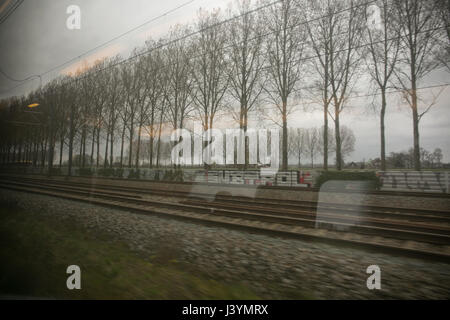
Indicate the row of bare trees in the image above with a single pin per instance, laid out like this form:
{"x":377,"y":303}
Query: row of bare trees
{"x":308,"y":143}
{"x":260,"y":57}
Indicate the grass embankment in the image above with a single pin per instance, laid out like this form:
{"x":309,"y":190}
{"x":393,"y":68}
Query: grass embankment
{"x":36,"y":250}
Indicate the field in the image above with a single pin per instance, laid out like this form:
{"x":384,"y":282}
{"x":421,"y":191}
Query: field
{"x":35,"y":252}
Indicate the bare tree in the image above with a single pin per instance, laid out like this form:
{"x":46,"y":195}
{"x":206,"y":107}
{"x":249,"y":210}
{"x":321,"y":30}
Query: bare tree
{"x":383,"y":51}
{"x":157,"y":93}
{"x":344,"y":63}
{"x":114,"y":102}
{"x":100,"y":99}
{"x":284,"y":46}
{"x":326,"y":141}
{"x":312,"y":143}
{"x":62,"y":118}
{"x":297,"y":143}
{"x":208,"y":68}
{"x":245,"y":39}
{"x":179,"y":79}
{"x":87,"y":92}
{"x":147,"y":66}
{"x":133,"y":89}
{"x":443,"y":54}
{"x":437,"y":153}
{"x":124,"y":113}
{"x":347,"y":140}
{"x":321,"y":19}
{"x":420,"y":24}
{"x":73,"y":97}
{"x":51,"y":98}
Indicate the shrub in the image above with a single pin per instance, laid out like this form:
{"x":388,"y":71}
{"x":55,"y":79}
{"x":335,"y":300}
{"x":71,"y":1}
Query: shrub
{"x":167,"y":175}
{"x":373,"y":181}
{"x":173,"y":175}
{"x":55,"y":171}
{"x":178,"y":175}
{"x":106,"y":172}
{"x":85,"y":172}
{"x":134,"y":174}
{"x":118,"y":173}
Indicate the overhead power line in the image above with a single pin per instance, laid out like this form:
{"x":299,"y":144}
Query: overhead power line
{"x":190,"y":58}
{"x":120,"y":36}
{"x":311,"y":102}
{"x":210,"y":27}
{"x":350,"y":97}
{"x":200,"y":31}
{"x":18,"y":80}
{"x":11,"y":11}
{"x":227,"y":21}
{"x":94,"y":48}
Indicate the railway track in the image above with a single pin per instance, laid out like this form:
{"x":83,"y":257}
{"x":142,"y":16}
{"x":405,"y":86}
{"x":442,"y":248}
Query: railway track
{"x":285,"y":218}
{"x":427,"y":194}
{"x":273,"y":204}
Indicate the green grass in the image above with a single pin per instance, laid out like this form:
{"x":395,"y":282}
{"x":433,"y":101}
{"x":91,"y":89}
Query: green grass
{"x":36,"y":250}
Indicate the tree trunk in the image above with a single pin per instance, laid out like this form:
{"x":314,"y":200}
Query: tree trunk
{"x":285,"y":138}
{"x":325,"y":133}
{"x":246,"y":140}
{"x":152,"y":136}
{"x":138,"y":147}
{"x":14,"y":153}
{"x":151,"y":150}
{"x":92,"y":146}
{"x":71,"y":136}
{"x":81,"y":151}
{"x":382,"y":129}
{"x":44,"y":151}
{"x":131,"y":146}
{"x":83,"y":154}
{"x":19,"y":156}
{"x":51,"y":146}
{"x":35,"y":150}
{"x":417,"y":165}
{"x":98,"y":146}
{"x":105,"y":163}
{"x":159,"y":142}
{"x":61,"y":147}
{"x":112,"y":146}
{"x":326,"y":104}
{"x":8,"y":154}
{"x":30,"y":148}
{"x":338,"y":142}
{"x":122,"y":145}
{"x":415,"y":114}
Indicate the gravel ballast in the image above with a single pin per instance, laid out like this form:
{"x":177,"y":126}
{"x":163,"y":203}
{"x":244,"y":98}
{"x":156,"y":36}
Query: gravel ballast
{"x":275,"y":268}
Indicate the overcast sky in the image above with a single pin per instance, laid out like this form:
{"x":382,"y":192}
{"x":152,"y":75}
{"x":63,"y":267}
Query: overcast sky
{"x":35,"y":39}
